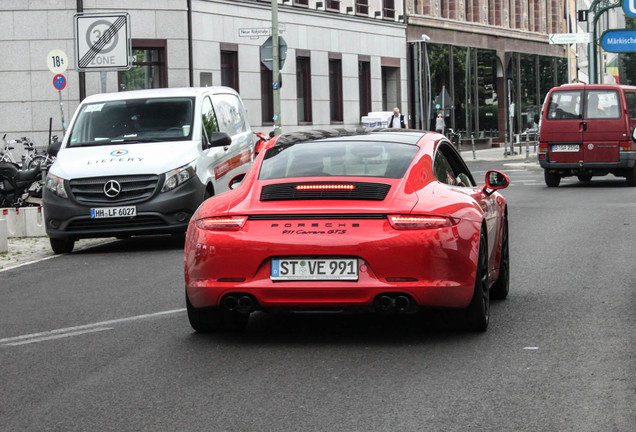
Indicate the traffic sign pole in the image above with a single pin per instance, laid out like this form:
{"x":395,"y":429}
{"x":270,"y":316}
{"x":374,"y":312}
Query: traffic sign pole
{"x":276,"y":68}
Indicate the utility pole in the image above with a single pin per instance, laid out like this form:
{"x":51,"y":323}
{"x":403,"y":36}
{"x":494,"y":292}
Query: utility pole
{"x":276,"y":67}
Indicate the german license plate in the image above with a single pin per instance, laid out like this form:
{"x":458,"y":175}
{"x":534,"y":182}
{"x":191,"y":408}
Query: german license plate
{"x":565,"y":148}
{"x":314,"y":269}
{"x":113,"y":212}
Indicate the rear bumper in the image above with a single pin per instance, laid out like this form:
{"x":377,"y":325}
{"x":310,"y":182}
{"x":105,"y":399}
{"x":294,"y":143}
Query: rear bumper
{"x":436,"y":268}
{"x":627,"y":161}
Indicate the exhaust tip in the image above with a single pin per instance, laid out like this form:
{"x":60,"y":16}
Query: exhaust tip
{"x":230,"y":302}
{"x":402,"y":303}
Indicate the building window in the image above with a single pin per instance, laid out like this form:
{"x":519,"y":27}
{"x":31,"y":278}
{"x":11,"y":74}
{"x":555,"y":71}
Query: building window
{"x":335,"y":90}
{"x":229,"y":69}
{"x":332,"y":5}
{"x":303,"y":86}
{"x":267,"y":96}
{"x":149,"y":68}
{"x":301,"y":2}
{"x":364,"y":73}
{"x":362,"y":7}
{"x":388,"y":9}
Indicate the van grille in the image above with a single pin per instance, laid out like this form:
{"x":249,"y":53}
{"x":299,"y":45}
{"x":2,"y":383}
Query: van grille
{"x":108,"y":224}
{"x":133,"y":188}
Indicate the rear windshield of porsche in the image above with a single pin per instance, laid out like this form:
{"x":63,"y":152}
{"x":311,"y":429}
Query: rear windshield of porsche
{"x":338,"y":159}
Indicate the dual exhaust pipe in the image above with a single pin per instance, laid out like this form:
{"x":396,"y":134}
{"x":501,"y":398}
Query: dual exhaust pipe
{"x":241,"y":303}
{"x":394,"y":303}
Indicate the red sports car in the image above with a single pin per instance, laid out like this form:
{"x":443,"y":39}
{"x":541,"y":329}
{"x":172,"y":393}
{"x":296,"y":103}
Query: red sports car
{"x":387,"y":220}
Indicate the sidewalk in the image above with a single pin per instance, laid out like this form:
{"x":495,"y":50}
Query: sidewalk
{"x":29,"y":249}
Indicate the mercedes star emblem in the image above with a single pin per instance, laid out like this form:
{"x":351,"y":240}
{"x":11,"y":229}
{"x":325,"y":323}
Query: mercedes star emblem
{"x":112,"y":188}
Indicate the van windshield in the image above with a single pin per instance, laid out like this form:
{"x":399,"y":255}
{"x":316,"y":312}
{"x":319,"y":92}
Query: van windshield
{"x":133,"y":121}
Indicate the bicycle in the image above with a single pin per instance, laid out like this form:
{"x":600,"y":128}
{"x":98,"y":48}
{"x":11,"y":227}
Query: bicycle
{"x":33,"y":159}
{"x":7,"y":156}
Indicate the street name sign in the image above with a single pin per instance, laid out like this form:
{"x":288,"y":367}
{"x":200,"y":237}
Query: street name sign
{"x":102,"y":41}
{"x":629,"y":6}
{"x":618,"y":41}
{"x":255,"y":32}
{"x":570,"y":38}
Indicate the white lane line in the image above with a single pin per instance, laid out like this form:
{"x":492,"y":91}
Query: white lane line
{"x":58,"y":336}
{"x":81,"y":328}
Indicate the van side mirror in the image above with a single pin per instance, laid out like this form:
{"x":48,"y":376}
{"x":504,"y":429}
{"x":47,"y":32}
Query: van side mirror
{"x":219,"y":139}
{"x":236,"y":181}
{"x":53,"y":148}
{"x":495,"y":180}
{"x":634,"y":134}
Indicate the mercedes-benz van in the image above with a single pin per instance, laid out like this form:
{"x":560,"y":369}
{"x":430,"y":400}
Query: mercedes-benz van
{"x":588,"y":130}
{"x":141,"y":162}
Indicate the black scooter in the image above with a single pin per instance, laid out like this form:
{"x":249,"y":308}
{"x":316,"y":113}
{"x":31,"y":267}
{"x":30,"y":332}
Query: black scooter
{"x":17,"y":186}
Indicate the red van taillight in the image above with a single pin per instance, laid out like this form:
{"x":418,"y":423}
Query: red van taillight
{"x":625,"y":145}
{"x":543,"y":150}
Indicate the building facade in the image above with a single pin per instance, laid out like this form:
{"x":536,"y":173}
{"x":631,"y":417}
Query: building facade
{"x":483,"y":61}
{"x":344,"y":58}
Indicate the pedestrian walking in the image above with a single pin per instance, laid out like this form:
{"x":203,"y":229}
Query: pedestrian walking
{"x":440,"y":124}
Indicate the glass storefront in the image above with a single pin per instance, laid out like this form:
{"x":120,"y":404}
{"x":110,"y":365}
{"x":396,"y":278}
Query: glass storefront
{"x":468,"y":88}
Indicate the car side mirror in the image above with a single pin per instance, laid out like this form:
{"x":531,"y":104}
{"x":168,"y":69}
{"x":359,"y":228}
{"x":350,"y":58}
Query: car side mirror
{"x":236,"y":181}
{"x":219,"y":139}
{"x":54,"y":148}
{"x":495,"y":180}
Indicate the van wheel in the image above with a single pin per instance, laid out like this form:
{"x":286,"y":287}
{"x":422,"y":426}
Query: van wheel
{"x":631,"y":177}
{"x":584,"y":177}
{"x":551,"y":179}
{"x":62,"y":246}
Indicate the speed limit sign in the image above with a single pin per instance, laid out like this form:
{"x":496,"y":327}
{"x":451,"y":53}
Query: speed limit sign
{"x":102,"y":41}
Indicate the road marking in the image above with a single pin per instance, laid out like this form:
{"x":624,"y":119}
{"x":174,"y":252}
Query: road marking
{"x":58,"y":336}
{"x":77,"y":330}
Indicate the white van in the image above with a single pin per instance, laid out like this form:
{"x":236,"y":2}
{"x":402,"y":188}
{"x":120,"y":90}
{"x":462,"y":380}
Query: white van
{"x":141,"y":162}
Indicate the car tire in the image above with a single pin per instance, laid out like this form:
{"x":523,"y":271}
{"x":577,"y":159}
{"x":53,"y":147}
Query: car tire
{"x":501,"y":287}
{"x":551,"y":179}
{"x":631,"y":177}
{"x":584,"y":177}
{"x":62,"y":246}
{"x":478,"y":311}
{"x":209,"y":320}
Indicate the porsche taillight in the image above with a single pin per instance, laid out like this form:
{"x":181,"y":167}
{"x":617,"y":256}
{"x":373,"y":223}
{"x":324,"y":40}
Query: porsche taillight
{"x":229,"y":223}
{"x":414,"y":222}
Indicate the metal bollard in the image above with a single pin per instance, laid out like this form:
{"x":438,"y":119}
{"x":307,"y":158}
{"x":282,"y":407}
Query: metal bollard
{"x":527,"y":148}
{"x":472,"y":140}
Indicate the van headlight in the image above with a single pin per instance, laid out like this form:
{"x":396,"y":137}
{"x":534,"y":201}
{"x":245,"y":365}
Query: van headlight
{"x":55,"y":185}
{"x":177,"y":177}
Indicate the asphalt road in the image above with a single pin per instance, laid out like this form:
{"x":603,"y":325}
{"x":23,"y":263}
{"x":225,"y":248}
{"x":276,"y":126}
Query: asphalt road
{"x":99,"y":340}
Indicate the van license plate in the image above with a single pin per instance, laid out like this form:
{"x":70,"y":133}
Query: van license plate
{"x":314,"y":269}
{"x":113,"y":212}
{"x":565,"y":148}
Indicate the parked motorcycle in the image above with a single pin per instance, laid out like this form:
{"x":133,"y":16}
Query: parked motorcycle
{"x":18,"y":186}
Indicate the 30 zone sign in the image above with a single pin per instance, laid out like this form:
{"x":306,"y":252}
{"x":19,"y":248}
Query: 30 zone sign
{"x":102,"y":41}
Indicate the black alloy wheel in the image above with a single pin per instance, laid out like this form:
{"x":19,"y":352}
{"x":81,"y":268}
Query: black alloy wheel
{"x":208,"y":320}
{"x":501,"y":287}
{"x":478,"y":311}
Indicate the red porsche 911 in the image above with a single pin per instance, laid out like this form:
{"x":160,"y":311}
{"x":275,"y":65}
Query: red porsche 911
{"x":390,"y":221}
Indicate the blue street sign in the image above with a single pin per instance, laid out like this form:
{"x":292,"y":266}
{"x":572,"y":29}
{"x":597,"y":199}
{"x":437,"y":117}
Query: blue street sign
{"x":276,"y":85}
{"x":618,"y":41}
{"x":59,"y":82}
{"x":629,"y":6}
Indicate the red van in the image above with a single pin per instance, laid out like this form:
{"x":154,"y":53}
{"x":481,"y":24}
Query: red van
{"x":588,"y":130}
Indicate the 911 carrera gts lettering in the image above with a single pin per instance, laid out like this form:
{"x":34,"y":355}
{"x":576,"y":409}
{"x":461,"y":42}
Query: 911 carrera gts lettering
{"x":336,"y":231}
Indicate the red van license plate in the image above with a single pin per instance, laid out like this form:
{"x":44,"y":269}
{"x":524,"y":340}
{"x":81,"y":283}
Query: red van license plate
{"x":565,"y":148}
